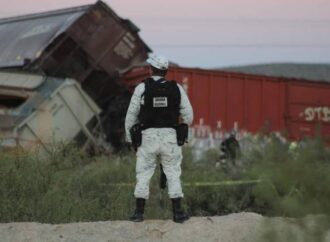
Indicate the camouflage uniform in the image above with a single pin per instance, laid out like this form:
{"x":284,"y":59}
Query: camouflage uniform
{"x":157,"y":142}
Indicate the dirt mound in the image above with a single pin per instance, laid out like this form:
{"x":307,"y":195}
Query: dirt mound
{"x":231,"y":228}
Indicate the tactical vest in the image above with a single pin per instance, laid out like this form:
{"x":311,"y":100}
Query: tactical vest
{"x":161,"y":107}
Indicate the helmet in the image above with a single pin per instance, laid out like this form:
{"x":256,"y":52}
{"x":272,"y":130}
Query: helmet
{"x":158,"y":61}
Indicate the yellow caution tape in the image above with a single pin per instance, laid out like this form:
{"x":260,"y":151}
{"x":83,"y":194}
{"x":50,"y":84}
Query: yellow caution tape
{"x":220,"y":183}
{"x":201,"y":184}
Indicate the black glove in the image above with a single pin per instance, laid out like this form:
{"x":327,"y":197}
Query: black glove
{"x":181,"y":133}
{"x":136,"y":135}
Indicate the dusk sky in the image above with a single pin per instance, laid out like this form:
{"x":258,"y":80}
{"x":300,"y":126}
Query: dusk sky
{"x":216,"y":33}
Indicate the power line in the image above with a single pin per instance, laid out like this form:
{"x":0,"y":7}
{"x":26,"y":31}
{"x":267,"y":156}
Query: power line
{"x":216,"y":19}
{"x":254,"y":46}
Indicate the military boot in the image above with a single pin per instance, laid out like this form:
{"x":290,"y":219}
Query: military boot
{"x":178,"y":214}
{"x":139,"y":210}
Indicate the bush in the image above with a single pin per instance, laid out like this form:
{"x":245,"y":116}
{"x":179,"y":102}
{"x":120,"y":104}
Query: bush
{"x":295,"y":183}
{"x":70,"y":186}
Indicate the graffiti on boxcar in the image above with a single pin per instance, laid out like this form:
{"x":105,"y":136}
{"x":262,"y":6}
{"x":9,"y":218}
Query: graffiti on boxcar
{"x":317,"y":114}
{"x":202,"y":130}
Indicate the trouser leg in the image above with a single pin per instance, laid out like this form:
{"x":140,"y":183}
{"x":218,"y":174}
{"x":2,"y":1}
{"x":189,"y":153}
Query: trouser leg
{"x":171,"y":162}
{"x":171,"y":158}
{"x":145,"y":167}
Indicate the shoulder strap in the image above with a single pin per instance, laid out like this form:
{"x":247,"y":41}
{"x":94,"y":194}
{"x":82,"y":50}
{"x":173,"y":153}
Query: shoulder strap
{"x":173,"y":82}
{"x":147,"y":82}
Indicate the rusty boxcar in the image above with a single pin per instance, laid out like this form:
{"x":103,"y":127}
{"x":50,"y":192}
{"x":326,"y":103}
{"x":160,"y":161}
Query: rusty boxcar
{"x":90,"y":43}
{"x":224,"y":100}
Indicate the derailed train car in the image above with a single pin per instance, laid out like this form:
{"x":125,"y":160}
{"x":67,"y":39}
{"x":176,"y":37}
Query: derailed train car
{"x":38,"y":111}
{"x":90,"y":44}
{"x":223,"y":101}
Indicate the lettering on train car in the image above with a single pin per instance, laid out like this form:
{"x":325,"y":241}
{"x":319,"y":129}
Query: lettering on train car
{"x":317,"y":114}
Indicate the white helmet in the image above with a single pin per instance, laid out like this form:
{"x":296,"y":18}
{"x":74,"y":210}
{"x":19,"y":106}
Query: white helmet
{"x":158,"y":61}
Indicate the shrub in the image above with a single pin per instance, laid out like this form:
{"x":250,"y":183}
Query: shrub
{"x":71,"y":186}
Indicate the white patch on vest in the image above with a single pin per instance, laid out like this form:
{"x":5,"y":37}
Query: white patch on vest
{"x":159,"y":102}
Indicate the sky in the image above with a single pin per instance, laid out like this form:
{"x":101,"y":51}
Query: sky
{"x":218,"y":33}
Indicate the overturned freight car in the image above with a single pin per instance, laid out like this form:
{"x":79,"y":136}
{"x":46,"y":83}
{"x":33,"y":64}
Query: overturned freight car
{"x":37,"y":111}
{"x":91,"y":44}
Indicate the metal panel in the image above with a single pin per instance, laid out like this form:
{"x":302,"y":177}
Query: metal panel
{"x":60,"y":118}
{"x":309,"y":109}
{"x":56,"y":111}
{"x":301,"y":92}
{"x":109,"y":41}
{"x":20,"y":81}
{"x":308,"y":72}
{"x":253,"y":105}
{"x":25,"y":38}
{"x":218,"y":100}
{"x":6,"y":122}
{"x":271,"y":105}
{"x":235,"y":103}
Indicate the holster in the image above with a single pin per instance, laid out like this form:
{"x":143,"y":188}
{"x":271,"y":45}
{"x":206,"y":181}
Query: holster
{"x":181,"y":133}
{"x":136,"y":135}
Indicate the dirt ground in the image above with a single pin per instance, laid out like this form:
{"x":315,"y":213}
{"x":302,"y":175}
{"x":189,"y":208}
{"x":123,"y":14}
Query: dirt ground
{"x":230,"y":228}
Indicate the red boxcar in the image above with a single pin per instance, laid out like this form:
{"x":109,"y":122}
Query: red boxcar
{"x":224,"y":100}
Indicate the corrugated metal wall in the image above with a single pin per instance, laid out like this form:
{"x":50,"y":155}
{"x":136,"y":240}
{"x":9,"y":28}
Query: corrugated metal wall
{"x":250,"y":102}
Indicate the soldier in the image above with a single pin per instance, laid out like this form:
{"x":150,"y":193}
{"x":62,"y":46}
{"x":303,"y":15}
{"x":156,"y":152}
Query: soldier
{"x":154,"y":112}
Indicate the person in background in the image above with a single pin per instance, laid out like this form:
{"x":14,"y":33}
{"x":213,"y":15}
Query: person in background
{"x":157,"y":122}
